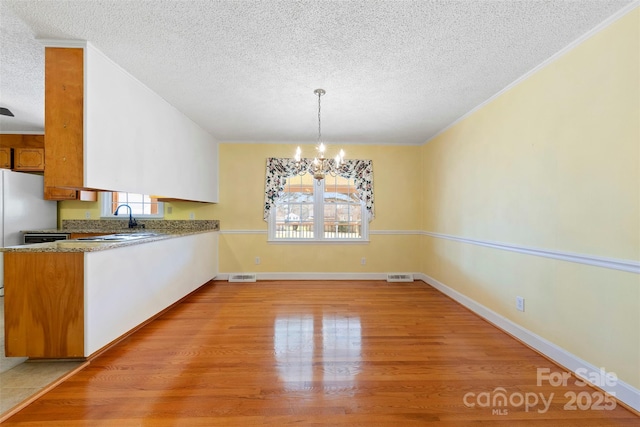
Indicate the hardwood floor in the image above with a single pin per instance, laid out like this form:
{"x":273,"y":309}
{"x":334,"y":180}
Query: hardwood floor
{"x":337,"y":353}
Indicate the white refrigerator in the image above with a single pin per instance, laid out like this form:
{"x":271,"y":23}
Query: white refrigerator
{"x":22,"y":207}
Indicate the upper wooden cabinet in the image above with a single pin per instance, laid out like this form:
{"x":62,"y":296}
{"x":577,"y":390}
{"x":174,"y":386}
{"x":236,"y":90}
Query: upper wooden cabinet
{"x":22,"y":152}
{"x":5,"y":157}
{"x":12,"y":140}
{"x":61,"y":194}
{"x":32,"y":141}
{"x":55,"y":193}
{"x":26,"y":153}
{"x":28,"y":159}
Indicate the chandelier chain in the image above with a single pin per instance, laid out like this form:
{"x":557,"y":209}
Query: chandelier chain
{"x":321,"y":165}
{"x":319,"y":127}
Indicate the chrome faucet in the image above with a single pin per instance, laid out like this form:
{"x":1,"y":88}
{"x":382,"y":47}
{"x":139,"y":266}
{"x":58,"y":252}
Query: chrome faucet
{"x":132,"y":221}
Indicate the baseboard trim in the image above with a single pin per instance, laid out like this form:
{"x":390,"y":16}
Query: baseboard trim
{"x":309,"y":276}
{"x":626,"y":394}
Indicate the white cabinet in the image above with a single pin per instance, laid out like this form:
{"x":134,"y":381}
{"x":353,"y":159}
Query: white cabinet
{"x":116,"y":134}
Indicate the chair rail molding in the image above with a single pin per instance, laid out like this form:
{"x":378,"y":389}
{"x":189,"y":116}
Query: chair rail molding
{"x":627,"y":265}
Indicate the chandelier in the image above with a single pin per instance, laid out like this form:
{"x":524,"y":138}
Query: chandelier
{"x":320,"y":165}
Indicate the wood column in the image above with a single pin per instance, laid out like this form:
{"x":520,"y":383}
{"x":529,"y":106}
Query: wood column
{"x":64,"y":117}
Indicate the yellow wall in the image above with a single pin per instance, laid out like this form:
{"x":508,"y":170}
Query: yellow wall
{"x":552,"y":163}
{"x":78,"y":210}
{"x":242,"y":174}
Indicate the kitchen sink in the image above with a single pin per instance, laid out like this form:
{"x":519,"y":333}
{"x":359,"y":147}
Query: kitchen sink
{"x":120,"y":237}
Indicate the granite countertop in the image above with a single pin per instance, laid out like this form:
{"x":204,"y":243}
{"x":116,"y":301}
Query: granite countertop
{"x":157,"y":230}
{"x":122,"y":226}
{"x":94,"y":246}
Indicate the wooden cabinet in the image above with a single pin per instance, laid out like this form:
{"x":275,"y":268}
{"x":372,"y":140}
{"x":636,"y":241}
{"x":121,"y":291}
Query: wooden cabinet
{"x":60,"y":194}
{"x":22,"y":152}
{"x":53,"y":193}
{"x":28,"y":159}
{"x":14,"y":140}
{"x":33,"y":141}
{"x":10,"y":140}
{"x":26,"y":153}
{"x":48,"y":288}
{"x":5,"y":158}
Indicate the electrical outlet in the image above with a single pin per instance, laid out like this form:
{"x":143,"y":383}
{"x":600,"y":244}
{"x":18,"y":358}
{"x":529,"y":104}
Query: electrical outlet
{"x":520,"y":303}
{"x":363,"y":261}
{"x":87,"y":215}
{"x":169,"y":209}
{"x":192,"y":215}
{"x":257,"y":260}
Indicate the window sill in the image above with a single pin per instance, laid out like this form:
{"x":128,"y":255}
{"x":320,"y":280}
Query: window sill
{"x":318,"y":242}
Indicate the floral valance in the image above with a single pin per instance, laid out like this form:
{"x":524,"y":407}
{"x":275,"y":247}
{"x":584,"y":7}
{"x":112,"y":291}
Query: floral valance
{"x":279,"y":169}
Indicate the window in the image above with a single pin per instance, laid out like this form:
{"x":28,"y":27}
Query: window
{"x":142,"y":205}
{"x":310,"y":209}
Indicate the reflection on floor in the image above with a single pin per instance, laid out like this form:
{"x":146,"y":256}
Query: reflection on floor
{"x":20,"y":380}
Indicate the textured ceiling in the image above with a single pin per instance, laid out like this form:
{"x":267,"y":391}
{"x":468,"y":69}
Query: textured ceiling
{"x":394,"y":71}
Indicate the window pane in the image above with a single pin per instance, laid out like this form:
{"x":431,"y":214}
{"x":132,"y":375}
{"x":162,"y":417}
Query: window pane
{"x":141,"y":204}
{"x":342,"y":209}
{"x":339,"y":215}
{"x":294,"y":209}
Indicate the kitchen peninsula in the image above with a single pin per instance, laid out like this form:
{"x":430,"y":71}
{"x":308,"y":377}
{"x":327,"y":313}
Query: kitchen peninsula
{"x":73,"y":298}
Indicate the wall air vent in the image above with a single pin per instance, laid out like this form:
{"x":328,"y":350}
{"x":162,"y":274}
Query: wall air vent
{"x":399,"y":277}
{"x":242,"y":277}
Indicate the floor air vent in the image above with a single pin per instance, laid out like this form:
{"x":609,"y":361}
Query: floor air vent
{"x":242,"y":278}
{"x":399,"y":277}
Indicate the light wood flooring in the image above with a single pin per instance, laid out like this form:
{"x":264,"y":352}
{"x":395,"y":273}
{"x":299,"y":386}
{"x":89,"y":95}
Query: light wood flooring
{"x":317,"y":353}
